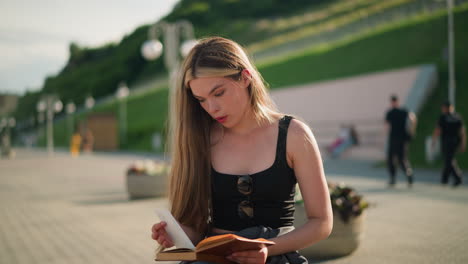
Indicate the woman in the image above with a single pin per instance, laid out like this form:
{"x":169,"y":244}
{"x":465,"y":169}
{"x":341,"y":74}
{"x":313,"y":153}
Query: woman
{"x":236,"y":160}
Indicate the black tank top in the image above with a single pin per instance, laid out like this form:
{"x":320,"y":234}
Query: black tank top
{"x":272,"y":197}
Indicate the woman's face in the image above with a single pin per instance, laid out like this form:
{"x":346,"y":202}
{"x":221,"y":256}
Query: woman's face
{"x":224,"y":99}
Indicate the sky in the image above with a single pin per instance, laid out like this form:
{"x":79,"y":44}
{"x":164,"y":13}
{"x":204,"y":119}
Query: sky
{"x":35,"y":35}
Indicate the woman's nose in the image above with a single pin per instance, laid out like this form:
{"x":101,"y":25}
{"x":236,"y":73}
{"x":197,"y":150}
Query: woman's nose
{"x":213,"y":107}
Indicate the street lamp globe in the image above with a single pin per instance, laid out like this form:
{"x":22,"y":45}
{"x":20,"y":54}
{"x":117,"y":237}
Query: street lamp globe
{"x":152,"y":49}
{"x":89,"y":102}
{"x":58,"y":106}
{"x":187,"y":46}
{"x":41,"y":106}
{"x":122,"y":91}
{"x":70,"y":108}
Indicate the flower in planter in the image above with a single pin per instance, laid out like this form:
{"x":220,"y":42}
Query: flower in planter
{"x":148,"y":167}
{"x":344,"y":200}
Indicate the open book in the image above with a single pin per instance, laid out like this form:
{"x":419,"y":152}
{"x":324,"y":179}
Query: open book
{"x":214,"y":249}
{"x":211,"y":249}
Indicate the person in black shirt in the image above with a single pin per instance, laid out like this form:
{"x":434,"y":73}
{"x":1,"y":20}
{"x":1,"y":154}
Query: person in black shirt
{"x":452,"y":135}
{"x":236,"y":159}
{"x":399,"y":135}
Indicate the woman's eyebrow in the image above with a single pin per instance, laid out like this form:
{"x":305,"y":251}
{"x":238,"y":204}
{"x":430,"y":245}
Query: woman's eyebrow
{"x":211,"y":91}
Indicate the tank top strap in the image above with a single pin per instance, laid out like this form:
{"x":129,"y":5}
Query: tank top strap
{"x":282,"y":138}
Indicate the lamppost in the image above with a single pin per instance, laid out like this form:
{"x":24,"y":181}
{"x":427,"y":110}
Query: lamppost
{"x":70,"y":108}
{"x":451,"y":51}
{"x":49,"y":104}
{"x":3,"y":124}
{"x":122,"y":94}
{"x":153,"y":48}
{"x":5,"y":135}
{"x":173,"y":32}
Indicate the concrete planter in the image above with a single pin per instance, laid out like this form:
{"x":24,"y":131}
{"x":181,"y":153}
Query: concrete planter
{"x":146,"y":186}
{"x":344,"y":239}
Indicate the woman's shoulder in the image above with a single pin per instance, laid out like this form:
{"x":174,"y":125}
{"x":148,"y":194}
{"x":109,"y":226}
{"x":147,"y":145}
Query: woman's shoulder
{"x":298,"y":127}
{"x":300,"y":141}
{"x":300,"y":135}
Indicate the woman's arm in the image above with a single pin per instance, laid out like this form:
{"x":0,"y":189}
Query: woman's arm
{"x":304,"y":157}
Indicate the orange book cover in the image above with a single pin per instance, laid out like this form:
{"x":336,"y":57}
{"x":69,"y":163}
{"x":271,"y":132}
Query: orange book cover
{"x":214,"y":249}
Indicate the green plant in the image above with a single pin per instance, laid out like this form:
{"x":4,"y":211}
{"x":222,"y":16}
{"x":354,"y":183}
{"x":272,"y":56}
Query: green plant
{"x":345,"y":201}
{"x":148,"y":167}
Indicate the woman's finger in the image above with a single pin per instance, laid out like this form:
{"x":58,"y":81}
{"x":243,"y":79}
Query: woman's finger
{"x":158,"y":226}
{"x":159,"y":234}
{"x":167,"y":244}
{"x":158,"y":230}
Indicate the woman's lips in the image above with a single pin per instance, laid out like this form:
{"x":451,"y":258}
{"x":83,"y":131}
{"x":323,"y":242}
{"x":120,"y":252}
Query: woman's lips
{"x":221,"y":119}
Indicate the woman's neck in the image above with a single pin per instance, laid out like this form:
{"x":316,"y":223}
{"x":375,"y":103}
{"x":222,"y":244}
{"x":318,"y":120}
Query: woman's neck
{"x":246,"y":125}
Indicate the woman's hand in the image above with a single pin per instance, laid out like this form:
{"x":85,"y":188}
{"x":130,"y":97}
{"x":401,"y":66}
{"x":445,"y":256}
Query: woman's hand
{"x":250,"y":256}
{"x":159,"y":234}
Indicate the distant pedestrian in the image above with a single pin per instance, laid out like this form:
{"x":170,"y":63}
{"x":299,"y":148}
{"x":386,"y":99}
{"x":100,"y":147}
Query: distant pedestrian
{"x":400,"y":125}
{"x":5,"y":143}
{"x":87,"y":141}
{"x":342,"y":135}
{"x":347,"y":138}
{"x":75,"y":143}
{"x":452,"y":135}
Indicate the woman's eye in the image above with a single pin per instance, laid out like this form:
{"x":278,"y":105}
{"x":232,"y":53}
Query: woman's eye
{"x":201,"y":100}
{"x":219,"y":94}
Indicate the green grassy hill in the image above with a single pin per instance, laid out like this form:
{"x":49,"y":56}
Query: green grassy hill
{"x":266,"y":27}
{"x":417,"y":41}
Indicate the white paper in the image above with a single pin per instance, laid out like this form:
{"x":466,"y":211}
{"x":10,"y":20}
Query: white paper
{"x":175,"y":231}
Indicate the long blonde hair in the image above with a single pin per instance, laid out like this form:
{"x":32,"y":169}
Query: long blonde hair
{"x":190,"y":126}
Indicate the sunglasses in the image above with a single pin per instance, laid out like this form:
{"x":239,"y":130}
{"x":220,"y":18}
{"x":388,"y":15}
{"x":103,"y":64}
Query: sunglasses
{"x":245,"y":187}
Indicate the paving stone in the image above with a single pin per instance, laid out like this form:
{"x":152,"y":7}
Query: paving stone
{"x":76,"y":210}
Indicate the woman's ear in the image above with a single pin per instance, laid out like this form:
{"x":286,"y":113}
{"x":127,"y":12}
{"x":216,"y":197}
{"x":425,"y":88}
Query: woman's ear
{"x":246,"y":77}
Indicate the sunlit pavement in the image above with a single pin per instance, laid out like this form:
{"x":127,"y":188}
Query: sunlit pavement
{"x":76,"y":210}
{"x":423,"y":224}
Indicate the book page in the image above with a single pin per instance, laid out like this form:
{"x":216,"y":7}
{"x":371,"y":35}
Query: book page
{"x":175,"y":231}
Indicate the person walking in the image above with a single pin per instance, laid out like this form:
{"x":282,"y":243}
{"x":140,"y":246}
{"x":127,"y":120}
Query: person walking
{"x":5,"y":143}
{"x":400,"y":125}
{"x":87,"y":141}
{"x":451,"y":130}
{"x":75,"y":143}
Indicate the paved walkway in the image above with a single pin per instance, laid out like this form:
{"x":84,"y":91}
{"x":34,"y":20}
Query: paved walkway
{"x":76,"y":210}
